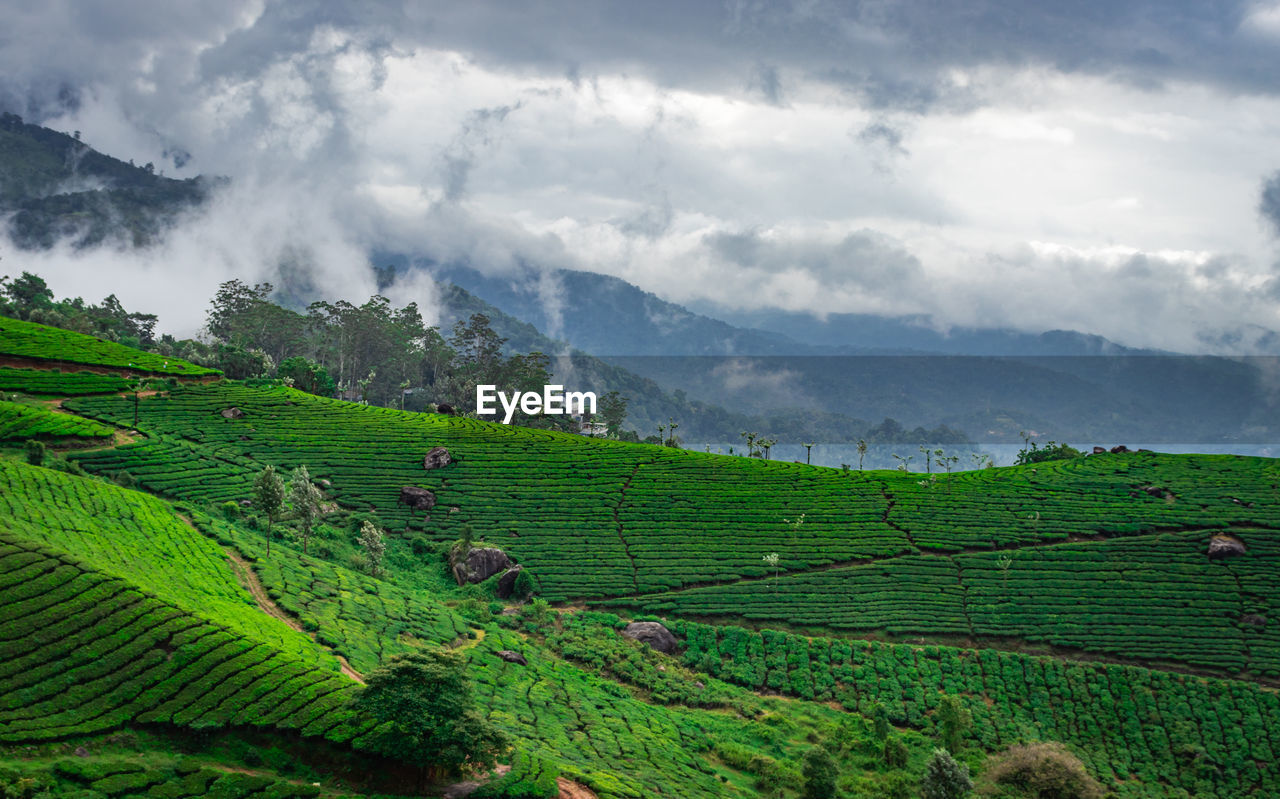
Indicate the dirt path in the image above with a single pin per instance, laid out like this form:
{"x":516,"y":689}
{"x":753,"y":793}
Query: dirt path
{"x":268,"y":606}
{"x":573,"y":790}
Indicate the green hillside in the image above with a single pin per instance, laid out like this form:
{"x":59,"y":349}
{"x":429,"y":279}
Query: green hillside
{"x":21,"y":422}
{"x":33,"y":342}
{"x":1070,"y":601}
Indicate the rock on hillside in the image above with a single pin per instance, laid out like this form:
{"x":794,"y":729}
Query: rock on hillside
{"x":436,"y":458}
{"x":479,"y":564}
{"x":653,"y":634}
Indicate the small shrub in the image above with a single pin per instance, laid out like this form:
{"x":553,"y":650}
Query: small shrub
{"x":1039,"y":771}
{"x":35,"y":453}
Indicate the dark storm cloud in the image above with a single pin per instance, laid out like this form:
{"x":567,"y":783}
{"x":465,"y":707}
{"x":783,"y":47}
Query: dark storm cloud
{"x":1269,"y":202}
{"x":888,"y":55}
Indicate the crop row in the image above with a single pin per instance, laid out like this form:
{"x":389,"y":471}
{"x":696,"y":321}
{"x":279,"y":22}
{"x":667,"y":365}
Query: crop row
{"x":1152,"y":598}
{"x":640,"y":519}
{"x":358,"y":617}
{"x":18,"y":422}
{"x":39,"y":381}
{"x":138,"y":538}
{"x":175,"y":779}
{"x":1177,"y":734}
{"x":31,"y":340}
{"x":86,"y":652}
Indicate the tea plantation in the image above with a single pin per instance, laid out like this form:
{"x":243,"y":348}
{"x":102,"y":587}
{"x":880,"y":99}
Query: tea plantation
{"x":21,"y":422}
{"x":28,"y":340}
{"x":1071,"y":601}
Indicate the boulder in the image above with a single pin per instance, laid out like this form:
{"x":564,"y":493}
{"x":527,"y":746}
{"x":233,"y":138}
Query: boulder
{"x":480,"y":564}
{"x":437,"y":457}
{"x":512,"y":657}
{"x":1119,"y":449}
{"x":233,"y":413}
{"x":445,"y":408}
{"x":1225,"y":546}
{"x":323,"y":483}
{"x":653,"y":634}
{"x":1254,"y":620}
{"x":417,"y":498}
{"x":507,"y":582}
{"x":1099,"y":450}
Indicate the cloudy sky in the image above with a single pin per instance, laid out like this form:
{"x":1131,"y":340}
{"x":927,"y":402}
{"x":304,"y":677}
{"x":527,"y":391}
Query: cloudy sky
{"x":1110,"y":167}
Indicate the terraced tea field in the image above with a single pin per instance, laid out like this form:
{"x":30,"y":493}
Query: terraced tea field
{"x":62,"y":384}
{"x":31,"y":341}
{"x":1156,"y":598}
{"x":1155,"y":733}
{"x":122,"y":612}
{"x":21,"y":422}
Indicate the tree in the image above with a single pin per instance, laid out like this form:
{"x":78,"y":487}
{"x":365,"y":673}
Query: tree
{"x":305,"y":499}
{"x":613,"y":411}
{"x":426,"y":715}
{"x":374,"y":546}
{"x":35,"y":452}
{"x":820,"y":774}
{"x":307,"y":375}
{"x":268,"y":497}
{"x":895,"y":752}
{"x":862,"y":451}
{"x":953,"y":722}
{"x":944,"y":778}
{"x":880,"y":717}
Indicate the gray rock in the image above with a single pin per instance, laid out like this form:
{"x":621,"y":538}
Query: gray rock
{"x":1226,"y":546}
{"x":436,"y":458}
{"x":233,"y":413}
{"x":1254,"y":620}
{"x":1099,"y":450}
{"x":480,"y":564}
{"x":417,"y":498}
{"x":323,"y":483}
{"x":653,"y":634}
{"x":513,"y":657}
{"x":507,"y":582}
{"x":1119,"y":449}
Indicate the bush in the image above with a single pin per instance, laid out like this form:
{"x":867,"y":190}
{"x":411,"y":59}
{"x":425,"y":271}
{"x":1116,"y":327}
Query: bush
{"x":1039,"y":771}
{"x":944,"y":778}
{"x":35,"y":453}
{"x":820,"y":774}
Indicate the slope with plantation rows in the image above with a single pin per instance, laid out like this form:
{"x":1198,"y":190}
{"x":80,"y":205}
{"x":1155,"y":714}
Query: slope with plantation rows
{"x":28,"y":342}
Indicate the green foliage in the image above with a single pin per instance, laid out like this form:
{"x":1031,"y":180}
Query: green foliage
{"x":953,"y":722}
{"x":820,"y":773}
{"x":426,"y":715}
{"x":308,"y":376}
{"x":268,"y":498}
{"x":29,"y":340}
{"x":1051,"y":452}
{"x":944,"y":778}
{"x":1038,"y":771}
{"x":34,"y":451}
{"x":895,"y":752}
{"x":530,"y":777}
{"x":38,"y":381}
{"x":374,"y":546}
{"x":304,"y":498}
{"x":20,"y":422}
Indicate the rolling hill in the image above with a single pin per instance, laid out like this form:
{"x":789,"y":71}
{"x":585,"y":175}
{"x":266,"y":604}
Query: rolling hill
{"x":1072,"y":601}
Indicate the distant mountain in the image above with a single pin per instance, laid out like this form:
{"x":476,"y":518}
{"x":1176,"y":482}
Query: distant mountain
{"x":55,"y":187}
{"x":604,"y":315}
{"x":902,"y":334}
